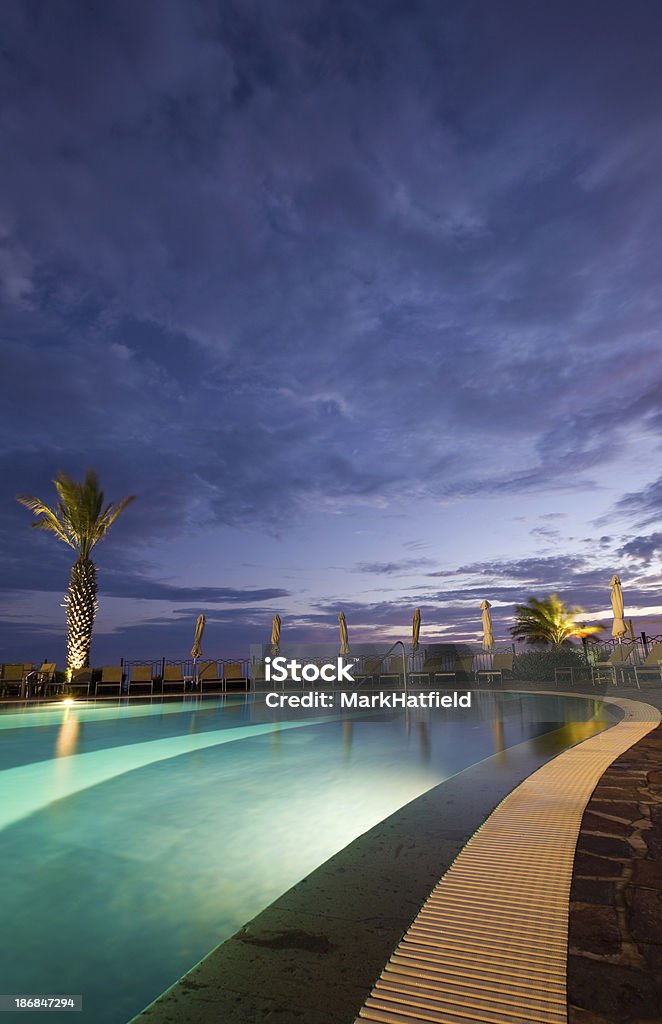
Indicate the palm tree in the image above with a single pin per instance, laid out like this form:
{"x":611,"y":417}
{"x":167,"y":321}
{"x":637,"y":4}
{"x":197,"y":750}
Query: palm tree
{"x":81,"y":521}
{"x":549,"y":621}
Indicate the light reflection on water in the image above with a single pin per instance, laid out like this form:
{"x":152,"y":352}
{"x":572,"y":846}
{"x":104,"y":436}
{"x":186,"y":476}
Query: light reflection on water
{"x":117,"y":889}
{"x":67,"y":735}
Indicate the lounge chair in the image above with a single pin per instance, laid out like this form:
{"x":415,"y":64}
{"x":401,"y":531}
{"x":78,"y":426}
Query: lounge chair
{"x":502,"y":662}
{"x":47,"y":679}
{"x":393,"y":669}
{"x":173,"y":676}
{"x":463,"y":667}
{"x":111,"y":678}
{"x":208,"y":673}
{"x":258,"y":673}
{"x":651,"y":666}
{"x":435,"y":669}
{"x":234,"y":673}
{"x":430,"y":666}
{"x":14,"y":678}
{"x":81,"y":679}
{"x":623,"y":657}
{"x":371,"y":668}
{"x":141,"y":675}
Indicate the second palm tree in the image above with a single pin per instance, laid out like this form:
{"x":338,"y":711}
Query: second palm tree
{"x":549,"y":620}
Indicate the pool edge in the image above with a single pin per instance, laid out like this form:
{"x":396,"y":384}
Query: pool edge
{"x":318,"y":965}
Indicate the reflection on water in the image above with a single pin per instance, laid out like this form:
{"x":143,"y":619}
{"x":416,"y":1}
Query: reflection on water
{"x":275,"y":742}
{"x":67,"y":736}
{"x":424,"y":741}
{"x":347,"y":736}
{"x":497,"y":733}
{"x":130,"y":882}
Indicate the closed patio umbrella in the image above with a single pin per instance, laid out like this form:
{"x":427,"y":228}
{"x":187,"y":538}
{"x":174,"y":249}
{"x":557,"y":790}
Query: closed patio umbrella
{"x":488,"y":635}
{"x":415,"y":629}
{"x":344,"y":638}
{"x":196,"y":650}
{"x":275,"y":635}
{"x":618,"y":628}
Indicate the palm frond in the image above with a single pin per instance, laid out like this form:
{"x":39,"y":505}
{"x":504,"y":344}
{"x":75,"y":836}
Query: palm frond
{"x":110,"y":514}
{"x":48,"y":519}
{"x":80,"y":520}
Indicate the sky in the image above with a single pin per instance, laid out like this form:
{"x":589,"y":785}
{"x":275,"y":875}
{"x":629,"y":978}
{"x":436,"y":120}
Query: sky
{"x":360,"y":298}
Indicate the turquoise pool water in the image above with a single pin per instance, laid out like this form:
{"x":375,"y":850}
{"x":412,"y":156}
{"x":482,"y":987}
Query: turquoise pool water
{"x":136,"y":838}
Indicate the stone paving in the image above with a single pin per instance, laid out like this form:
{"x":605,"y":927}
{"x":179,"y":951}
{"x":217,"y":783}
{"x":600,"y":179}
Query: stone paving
{"x":615,"y":933}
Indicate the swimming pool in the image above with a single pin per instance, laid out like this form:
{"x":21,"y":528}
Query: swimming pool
{"x":136,"y":838}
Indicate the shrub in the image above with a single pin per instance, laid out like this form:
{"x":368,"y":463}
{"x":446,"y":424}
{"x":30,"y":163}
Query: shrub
{"x":538,"y":666}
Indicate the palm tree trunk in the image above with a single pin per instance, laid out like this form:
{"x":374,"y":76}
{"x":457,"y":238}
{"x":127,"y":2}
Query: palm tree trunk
{"x":81,"y":601}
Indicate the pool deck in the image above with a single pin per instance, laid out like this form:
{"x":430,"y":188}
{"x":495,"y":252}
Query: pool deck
{"x":614,"y":973}
{"x":314,"y":955}
{"x":615,"y":933}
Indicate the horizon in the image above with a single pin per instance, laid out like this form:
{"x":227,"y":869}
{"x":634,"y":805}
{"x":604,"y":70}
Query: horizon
{"x":361,"y":301}
{"x":295,"y":645}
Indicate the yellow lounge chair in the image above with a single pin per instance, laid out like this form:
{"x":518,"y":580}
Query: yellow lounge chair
{"x":173,"y":676}
{"x":393,"y":669}
{"x":370,"y":669}
{"x":430,"y":666}
{"x":81,"y":679}
{"x":233,"y":673}
{"x":623,"y":657}
{"x":650,"y":666}
{"x":47,"y":678}
{"x":462,"y":665}
{"x":258,"y":673}
{"x":13,"y":678}
{"x":208,"y":673}
{"x":111,"y":678}
{"x":502,"y":662}
{"x":141,"y":675}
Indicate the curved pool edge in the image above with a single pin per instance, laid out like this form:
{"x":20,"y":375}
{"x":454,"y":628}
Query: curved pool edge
{"x":313,"y":955}
{"x":500,"y":951}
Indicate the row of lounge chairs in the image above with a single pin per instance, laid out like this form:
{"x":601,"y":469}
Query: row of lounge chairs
{"x":20,"y":679}
{"x":209,"y":674}
{"x":625,"y":664}
{"x":23,"y":680}
{"x":435,"y":669}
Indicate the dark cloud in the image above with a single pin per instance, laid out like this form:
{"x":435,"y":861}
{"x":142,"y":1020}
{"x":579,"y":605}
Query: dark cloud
{"x":643,"y":506}
{"x":262,"y":265}
{"x":392,"y":568}
{"x":545,"y":570}
{"x":643,"y":549}
{"x":545,"y":533}
{"x":123,"y":585}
